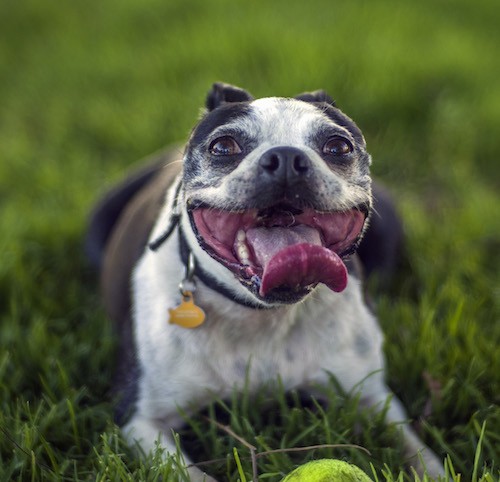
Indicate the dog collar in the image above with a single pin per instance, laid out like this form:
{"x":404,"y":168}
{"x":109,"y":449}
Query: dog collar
{"x":187,"y":314}
{"x":173,"y":221}
{"x":208,"y":279}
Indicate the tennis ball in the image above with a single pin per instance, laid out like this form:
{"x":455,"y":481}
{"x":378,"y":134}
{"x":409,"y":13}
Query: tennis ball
{"x":327,"y":470}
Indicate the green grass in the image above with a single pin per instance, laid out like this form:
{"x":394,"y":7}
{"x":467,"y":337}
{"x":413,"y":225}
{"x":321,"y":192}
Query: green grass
{"x":88,"y":87}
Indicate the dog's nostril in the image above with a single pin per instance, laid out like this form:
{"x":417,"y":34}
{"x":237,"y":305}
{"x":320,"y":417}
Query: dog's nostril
{"x":285,"y":163}
{"x":300,"y":164}
{"x":271,"y":163}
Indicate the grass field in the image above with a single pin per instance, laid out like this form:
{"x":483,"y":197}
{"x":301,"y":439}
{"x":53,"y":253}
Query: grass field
{"x":88,"y":87}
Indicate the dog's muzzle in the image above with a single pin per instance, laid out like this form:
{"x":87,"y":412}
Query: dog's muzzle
{"x":284,"y":250}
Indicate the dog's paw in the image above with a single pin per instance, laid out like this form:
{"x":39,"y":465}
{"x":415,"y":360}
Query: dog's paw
{"x":428,"y":464}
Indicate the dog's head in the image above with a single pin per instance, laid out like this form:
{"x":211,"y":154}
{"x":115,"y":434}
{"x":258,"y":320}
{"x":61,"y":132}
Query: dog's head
{"x":276,"y":191}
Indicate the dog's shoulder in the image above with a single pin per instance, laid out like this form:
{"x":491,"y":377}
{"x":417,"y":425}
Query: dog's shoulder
{"x":111,"y":205}
{"x":129,"y":237}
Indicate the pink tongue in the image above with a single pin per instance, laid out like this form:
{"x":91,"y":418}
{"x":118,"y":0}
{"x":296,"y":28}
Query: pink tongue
{"x":295,"y":257}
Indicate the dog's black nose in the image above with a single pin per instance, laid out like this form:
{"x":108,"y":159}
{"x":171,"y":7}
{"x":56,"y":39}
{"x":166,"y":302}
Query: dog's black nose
{"x":284,"y":164}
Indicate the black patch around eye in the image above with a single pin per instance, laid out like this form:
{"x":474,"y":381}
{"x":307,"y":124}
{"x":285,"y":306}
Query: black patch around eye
{"x":319,"y":139}
{"x":337,"y":116}
{"x":218,"y":117}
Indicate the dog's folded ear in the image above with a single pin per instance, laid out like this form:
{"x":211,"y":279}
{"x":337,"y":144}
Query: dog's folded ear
{"x":316,"y":96}
{"x":225,"y":93}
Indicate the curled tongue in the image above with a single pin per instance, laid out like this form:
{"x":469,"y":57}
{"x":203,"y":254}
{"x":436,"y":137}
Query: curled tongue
{"x":295,"y":257}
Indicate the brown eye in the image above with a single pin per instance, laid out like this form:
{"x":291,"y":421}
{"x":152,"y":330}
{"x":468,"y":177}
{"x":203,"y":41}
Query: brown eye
{"x":224,"y":146}
{"x":337,"y":146}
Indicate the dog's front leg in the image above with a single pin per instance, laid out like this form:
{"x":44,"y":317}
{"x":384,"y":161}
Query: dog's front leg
{"x":376,"y":394}
{"x":146,"y":432}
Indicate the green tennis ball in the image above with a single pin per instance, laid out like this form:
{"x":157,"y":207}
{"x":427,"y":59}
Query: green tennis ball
{"x":327,"y":470}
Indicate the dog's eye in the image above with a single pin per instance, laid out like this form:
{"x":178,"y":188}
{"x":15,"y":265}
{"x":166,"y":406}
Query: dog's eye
{"x":224,"y":146}
{"x":337,"y":146}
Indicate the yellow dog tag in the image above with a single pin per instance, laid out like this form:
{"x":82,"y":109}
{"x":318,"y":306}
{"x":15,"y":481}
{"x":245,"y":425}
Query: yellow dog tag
{"x":187,"y":314}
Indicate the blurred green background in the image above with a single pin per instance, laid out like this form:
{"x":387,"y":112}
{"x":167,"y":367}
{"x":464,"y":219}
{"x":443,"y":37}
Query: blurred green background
{"x":88,"y":87}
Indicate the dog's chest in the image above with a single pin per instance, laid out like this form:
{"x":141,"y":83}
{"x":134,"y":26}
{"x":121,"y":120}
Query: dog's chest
{"x":189,"y":363}
{"x":237,"y":345}
{"x":262,"y":347}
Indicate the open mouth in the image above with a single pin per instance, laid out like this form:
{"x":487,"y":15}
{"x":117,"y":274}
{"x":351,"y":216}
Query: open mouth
{"x":281,"y":250}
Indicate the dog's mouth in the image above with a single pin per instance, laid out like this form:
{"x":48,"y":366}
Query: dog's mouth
{"x":281,"y":252}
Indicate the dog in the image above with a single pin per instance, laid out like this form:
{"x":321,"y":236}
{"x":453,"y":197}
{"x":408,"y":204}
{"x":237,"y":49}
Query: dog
{"x":238,"y":265}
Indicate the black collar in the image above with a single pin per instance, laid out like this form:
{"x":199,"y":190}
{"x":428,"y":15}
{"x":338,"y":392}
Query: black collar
{"x":210,"y":280}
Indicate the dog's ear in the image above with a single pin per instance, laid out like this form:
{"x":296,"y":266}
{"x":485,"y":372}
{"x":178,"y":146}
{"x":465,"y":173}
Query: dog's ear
{"x":224,"y":93}
{"x":316,"y":96}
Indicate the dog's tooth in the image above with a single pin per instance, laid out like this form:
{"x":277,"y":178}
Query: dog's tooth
{"x":241,"y":248}
{"x":243,"y":254}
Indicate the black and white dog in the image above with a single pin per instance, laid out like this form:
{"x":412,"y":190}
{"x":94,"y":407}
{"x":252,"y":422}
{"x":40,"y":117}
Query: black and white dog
{"x":242,"y":258}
